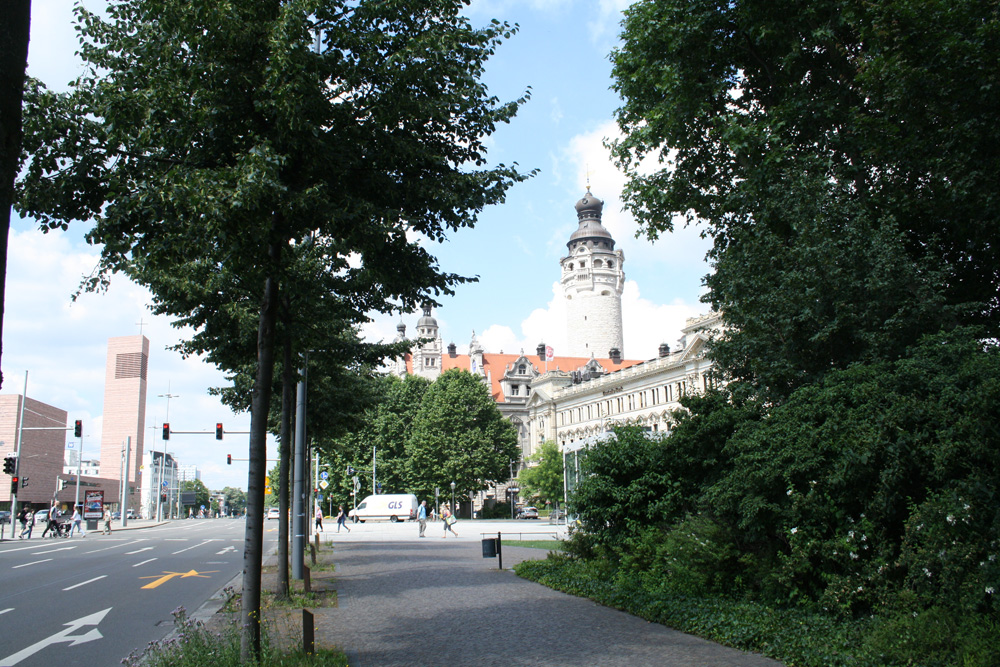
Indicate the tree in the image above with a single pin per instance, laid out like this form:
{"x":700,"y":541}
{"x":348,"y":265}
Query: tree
{"x":841,"y":156}
{"x":14,"y":33}
{"x":236,"y":500}
{"x":211,"y":141}
{"x":203,"y":498}
{"x":543,"y":478}
{"x":459,"y":436}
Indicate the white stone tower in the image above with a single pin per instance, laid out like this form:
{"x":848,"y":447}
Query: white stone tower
{"x":592,"y":281}
{"x":427,"y":355}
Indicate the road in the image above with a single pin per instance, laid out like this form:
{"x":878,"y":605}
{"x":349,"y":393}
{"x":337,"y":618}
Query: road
{"x":92,"y":600}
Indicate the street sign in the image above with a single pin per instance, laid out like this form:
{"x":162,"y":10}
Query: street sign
{"x":324,"y":475}
{"x":323,"y":484}
{"x":319,"y":496}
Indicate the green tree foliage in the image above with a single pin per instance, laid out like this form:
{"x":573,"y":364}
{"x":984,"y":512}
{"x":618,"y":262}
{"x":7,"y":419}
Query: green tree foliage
{"x":543,"y":478}
{"x":459,"y":436}
{"x":236,"y":500}
{"x":207,"y":143}
{"x":842,"y":155}
{"x":202,"y":496}
{"x":387,"y":426}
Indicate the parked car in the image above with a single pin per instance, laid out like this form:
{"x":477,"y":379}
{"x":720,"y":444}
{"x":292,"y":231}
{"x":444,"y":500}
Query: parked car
{"x":116,"y":515}
{"x":527,"y":513}
{"x":557,"y":516}
{"x":273,"y":513}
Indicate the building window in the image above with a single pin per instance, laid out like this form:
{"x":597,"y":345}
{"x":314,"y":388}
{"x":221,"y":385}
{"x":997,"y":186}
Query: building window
{"x":513,"y":390}
{"x":597,"y":263}
{"x":611,"y":264}
{"x":522,"y":370}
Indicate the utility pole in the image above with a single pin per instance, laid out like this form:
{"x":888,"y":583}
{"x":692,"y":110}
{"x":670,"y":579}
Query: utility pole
{"x":17,"y":463}
{"x":299,"y":473}
{"x":163,"y":459}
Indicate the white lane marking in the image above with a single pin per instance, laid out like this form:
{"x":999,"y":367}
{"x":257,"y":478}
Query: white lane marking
{"x":39,"y":553}
{"x":61,"y":636}
{"x":44,"y":560}
{"x":226,"y":550}
{"x":138,"y":551}
{"x":36,"y":546}
{"x":84,"y":583}
{"x":144,"y":562}
{"x":4,"y":611}
{"x":116,"y":546}
{"x":191,"y":547}
{"x":175,"y":539}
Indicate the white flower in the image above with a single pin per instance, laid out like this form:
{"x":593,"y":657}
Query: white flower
{"x":794,"y":530}
{"x":990,"y":590}
{"x":854,"y":556}
{"x":789,"y":492}
{"x":950,"y":519}
{"x":927,"y":572}
{"x":850,"y":534}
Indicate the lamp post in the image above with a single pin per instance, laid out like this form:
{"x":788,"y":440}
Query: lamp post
{"x":453,"y":498}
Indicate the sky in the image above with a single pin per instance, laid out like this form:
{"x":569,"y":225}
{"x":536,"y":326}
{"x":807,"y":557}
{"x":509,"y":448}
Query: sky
{"x":562,"y":53}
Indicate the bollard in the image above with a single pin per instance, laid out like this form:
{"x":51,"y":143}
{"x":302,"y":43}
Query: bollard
{"x":312,"y":552}
{"x":308,"y":632}
{"x":306,"y":583}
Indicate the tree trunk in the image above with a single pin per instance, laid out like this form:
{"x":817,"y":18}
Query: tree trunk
{"x":15,"y":27}
{"x":253,"y":548}
{"x":284,"y":456}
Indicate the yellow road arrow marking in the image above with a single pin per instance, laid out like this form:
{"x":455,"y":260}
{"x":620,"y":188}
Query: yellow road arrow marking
{"x":167,"y":576}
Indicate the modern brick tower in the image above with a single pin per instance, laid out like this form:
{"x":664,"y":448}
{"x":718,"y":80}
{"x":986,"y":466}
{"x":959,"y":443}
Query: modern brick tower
{"x":593,"y":280}
{"x":125,"y":409}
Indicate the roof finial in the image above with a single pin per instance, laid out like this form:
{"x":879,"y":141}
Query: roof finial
{"x":588,"y":178}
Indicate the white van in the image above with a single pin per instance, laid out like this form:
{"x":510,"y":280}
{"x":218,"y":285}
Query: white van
{"x":387,"y":506}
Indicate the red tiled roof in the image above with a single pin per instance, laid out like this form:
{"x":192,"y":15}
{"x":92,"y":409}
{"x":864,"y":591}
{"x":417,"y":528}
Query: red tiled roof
{"x":496,"y":364}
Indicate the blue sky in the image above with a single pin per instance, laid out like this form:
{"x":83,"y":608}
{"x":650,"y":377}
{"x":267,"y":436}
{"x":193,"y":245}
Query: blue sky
{"x":561,"y":52}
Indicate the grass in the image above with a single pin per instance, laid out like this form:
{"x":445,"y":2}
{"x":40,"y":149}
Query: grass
{"x":551,"y":545}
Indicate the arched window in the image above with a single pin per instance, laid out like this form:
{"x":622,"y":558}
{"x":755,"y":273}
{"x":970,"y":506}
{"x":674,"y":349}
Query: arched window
{"x":597,"y":263}
{"x":522,"y":369}
{"x":611,"y":264}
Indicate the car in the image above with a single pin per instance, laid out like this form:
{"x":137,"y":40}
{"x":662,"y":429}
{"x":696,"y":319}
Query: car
{"x":4,"y":516}
{"x":116,"y":515}
{"x":527,"y":513}
{"x":557,"y":516}
{"x":273,"y":513}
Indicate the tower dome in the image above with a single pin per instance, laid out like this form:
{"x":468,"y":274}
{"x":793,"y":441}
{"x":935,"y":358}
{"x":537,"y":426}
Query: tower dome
{"x":592,"y":282}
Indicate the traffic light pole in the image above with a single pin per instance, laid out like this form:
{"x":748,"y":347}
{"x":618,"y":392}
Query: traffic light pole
{"x":17,"y":462}
{"x":299,"y":475}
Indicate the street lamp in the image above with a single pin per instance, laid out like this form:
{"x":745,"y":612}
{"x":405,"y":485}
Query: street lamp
{"x":453,"y":498}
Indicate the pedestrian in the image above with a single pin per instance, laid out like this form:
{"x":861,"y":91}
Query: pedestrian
{"x":422,"y":517}
{"x":53,"y":523}
{"x":341,"y":519}
{"x":107,"y":521}
{"x":77,"y":522}
{"x":30,"y":520}
{"x":319,"y":519}
{"x":449,"y":522}
{"x":22,"y":518}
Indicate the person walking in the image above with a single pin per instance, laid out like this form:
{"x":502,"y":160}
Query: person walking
{"x":53,"y":523}
{"x":22,"y":518}
{"x":449,"y":522}
{"x":341,"y":519}
{"x":422,"y":517}
{"x":30,"y":522}
{"x":319,"y":519}
{"x":77,"y":523}
{"x":107,"y":521}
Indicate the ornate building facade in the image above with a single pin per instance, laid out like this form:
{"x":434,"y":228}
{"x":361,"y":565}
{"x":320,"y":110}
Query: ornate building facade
{"x":569,"y":398}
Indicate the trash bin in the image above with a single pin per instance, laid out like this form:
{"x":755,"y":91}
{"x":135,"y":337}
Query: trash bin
{"x":91,"y":524}
{"x":490,"y":547}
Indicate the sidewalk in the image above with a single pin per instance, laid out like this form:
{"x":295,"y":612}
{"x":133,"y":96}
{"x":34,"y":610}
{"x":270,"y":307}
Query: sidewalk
{"x":133,"y":524}
{"x":439,"y":602}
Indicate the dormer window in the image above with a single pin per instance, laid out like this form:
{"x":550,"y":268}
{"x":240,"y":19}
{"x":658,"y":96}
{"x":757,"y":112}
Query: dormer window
{"x":522,"y":369}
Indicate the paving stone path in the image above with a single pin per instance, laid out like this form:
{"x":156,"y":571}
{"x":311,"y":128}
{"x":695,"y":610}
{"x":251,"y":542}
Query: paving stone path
{"x":436,"y":602}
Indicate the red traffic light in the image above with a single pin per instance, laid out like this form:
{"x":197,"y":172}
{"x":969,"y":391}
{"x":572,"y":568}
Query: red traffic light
{"x":229,"y":459}
{"x":166,"y":431}
{"x":78,"y":428}
{"x":218,"y":431}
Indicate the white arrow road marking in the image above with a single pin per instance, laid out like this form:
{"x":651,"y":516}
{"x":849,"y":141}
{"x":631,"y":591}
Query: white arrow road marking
{"x":63,"y":636}
{"x":226,"y":550}
{"x":44,"y":560}
{"x":84,"y":583}
{"x":4,"y":611}
{"x":144,"y":562}
{"x":138,"y":551}
{"x":39,"y":553}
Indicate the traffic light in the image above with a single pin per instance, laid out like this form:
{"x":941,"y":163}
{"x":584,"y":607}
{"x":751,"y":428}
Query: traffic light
{"x":218,"y":431}
{"x":10,"y":464}
{"x":229,"y":459}
{"x":350,"y":470}
{"x":166,"y":431}
{"x":13,"y":485}
{"x":163,"y":497}
{"x":78,"y":428}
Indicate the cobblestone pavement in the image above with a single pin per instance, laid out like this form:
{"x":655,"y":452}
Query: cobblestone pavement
{"x":438,"y":602}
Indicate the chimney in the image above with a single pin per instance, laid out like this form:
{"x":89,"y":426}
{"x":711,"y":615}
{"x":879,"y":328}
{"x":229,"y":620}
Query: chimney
{"x":616,"y":355}
{"x":452,"y":350}
{"x":540,"y":351}
{"x":664,"y":350}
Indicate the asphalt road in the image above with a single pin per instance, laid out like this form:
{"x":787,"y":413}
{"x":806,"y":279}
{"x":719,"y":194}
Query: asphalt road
{"x":92,"y":600}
